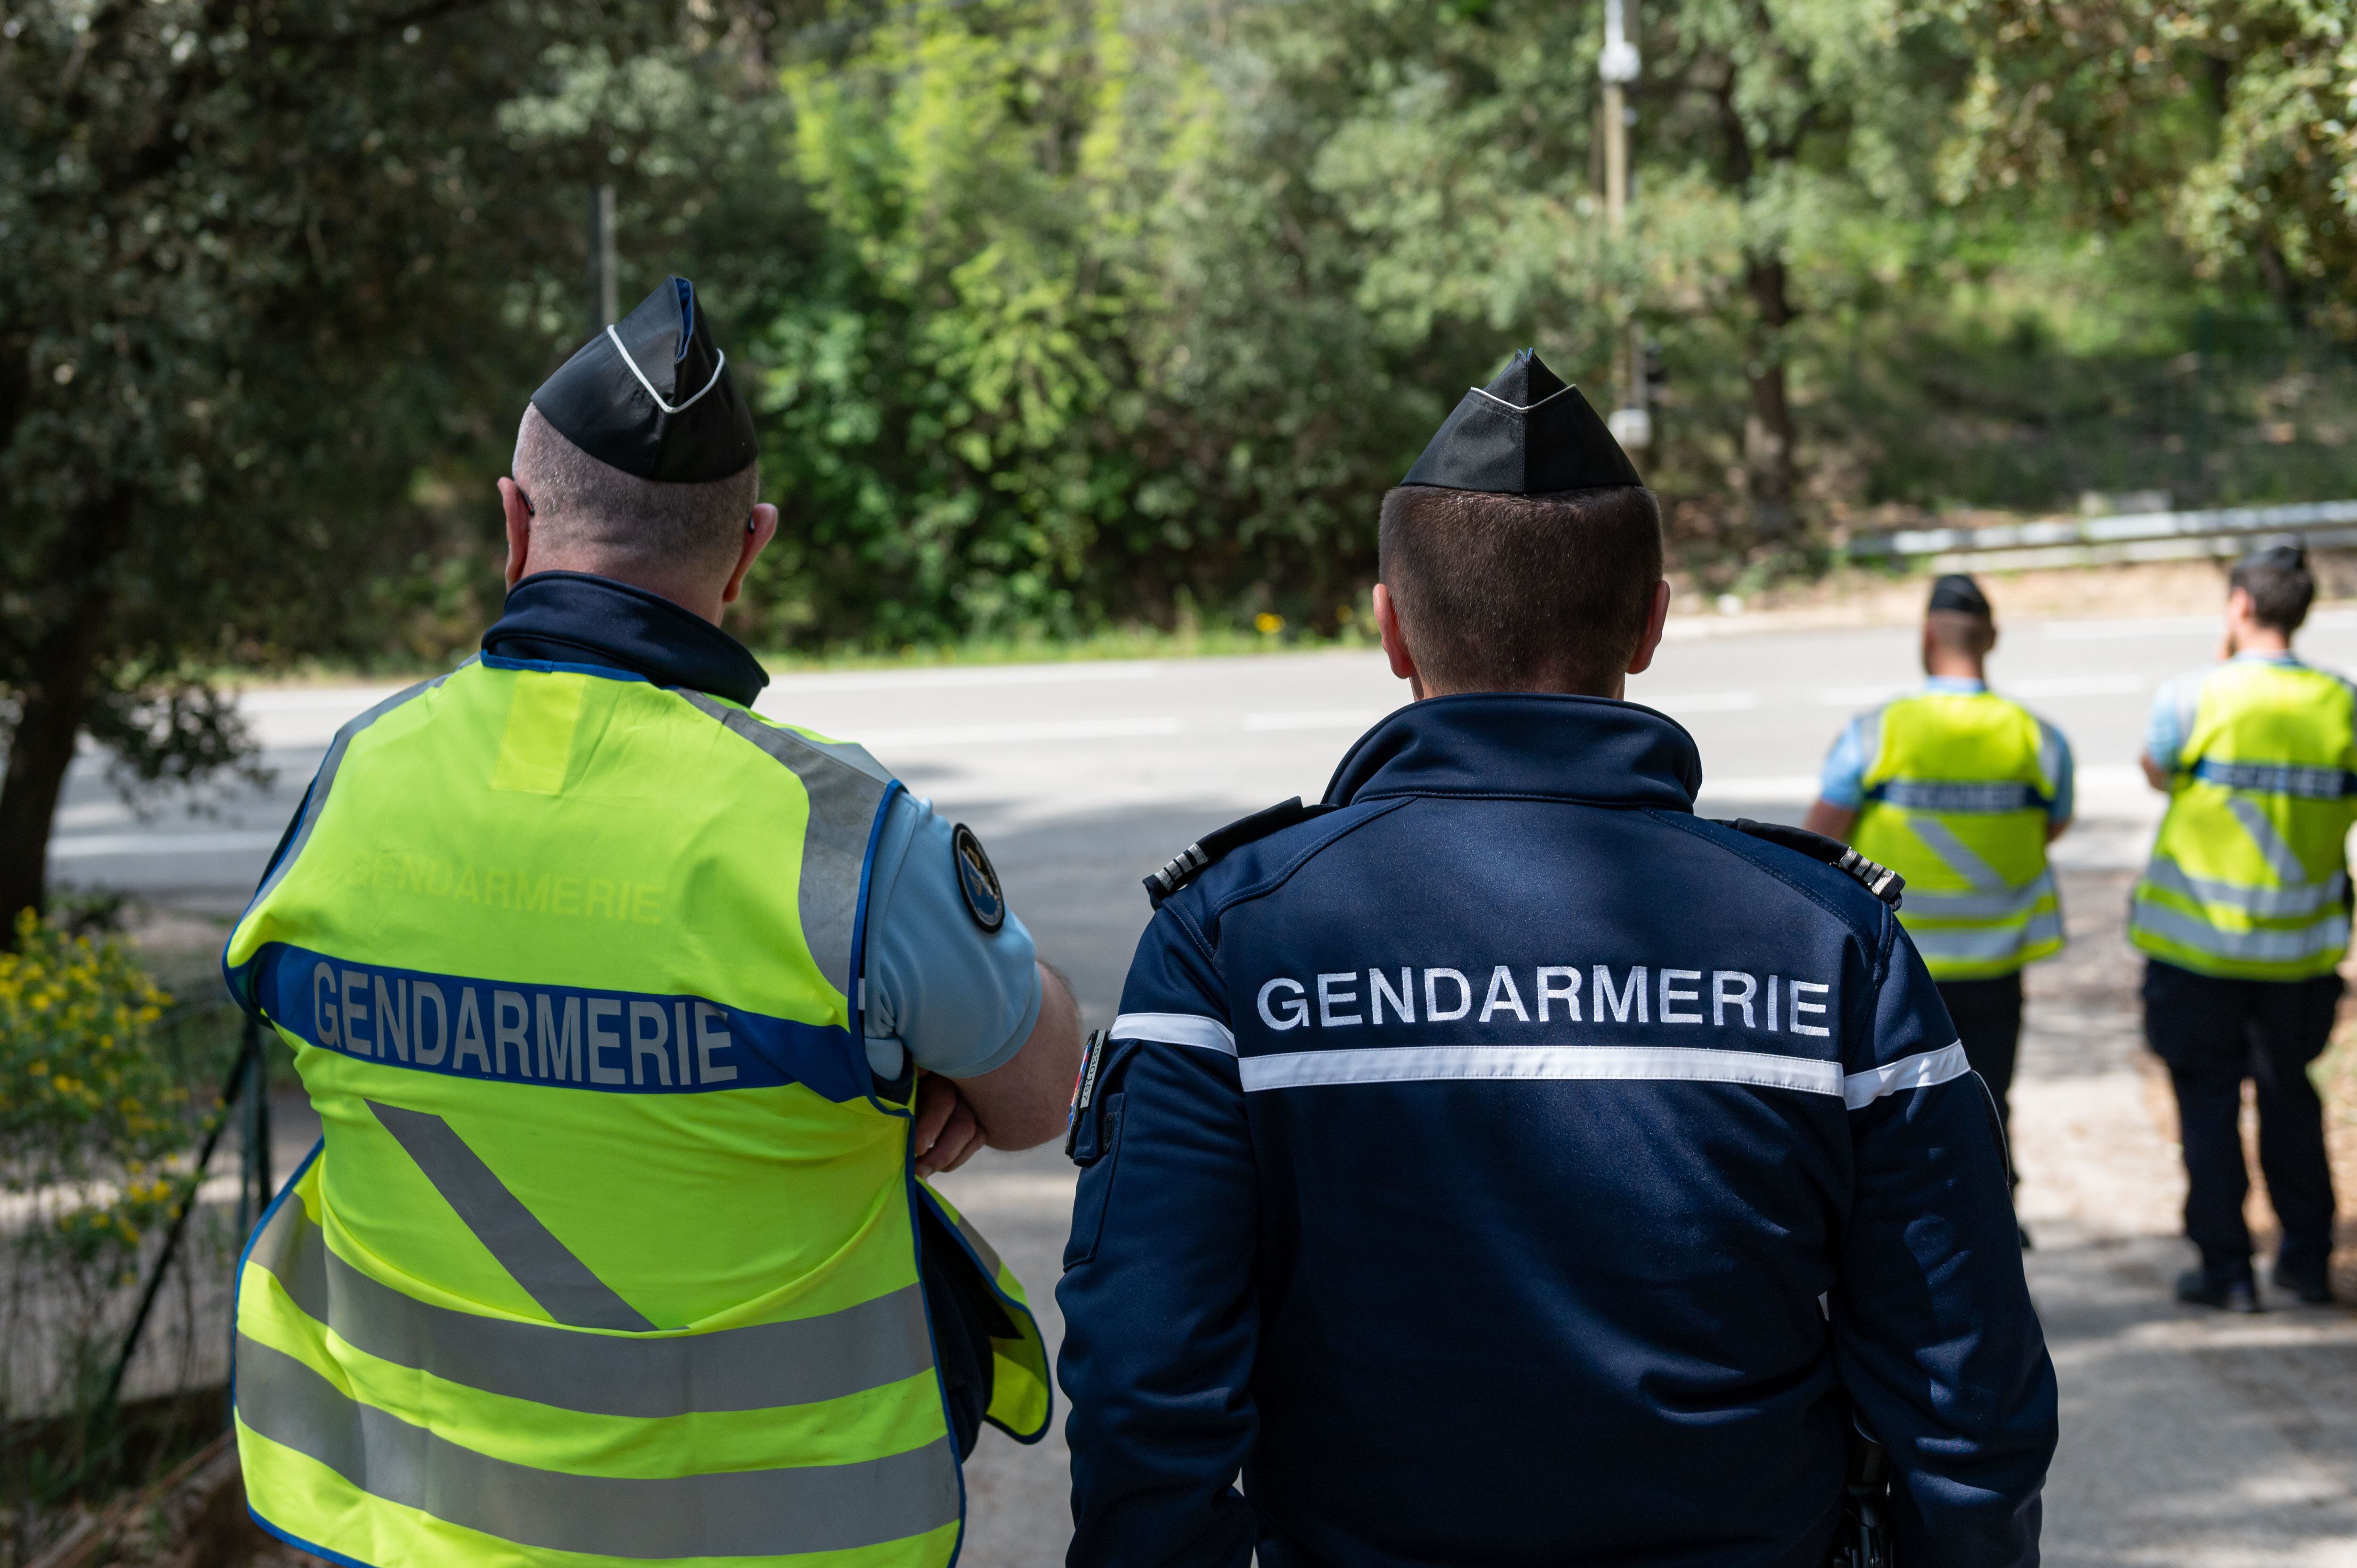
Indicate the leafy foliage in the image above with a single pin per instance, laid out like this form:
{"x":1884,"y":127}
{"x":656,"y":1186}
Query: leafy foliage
{"x":91,"y":1111}
{"x":1068,"y":315}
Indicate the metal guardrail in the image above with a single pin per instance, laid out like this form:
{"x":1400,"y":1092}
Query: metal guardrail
{"x":2100,"y":541}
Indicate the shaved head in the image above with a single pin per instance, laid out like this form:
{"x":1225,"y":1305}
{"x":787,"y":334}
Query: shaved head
{"x":590,"y":511}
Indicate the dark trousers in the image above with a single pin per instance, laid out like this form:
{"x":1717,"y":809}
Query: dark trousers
{"x":1988,"y":1016}
{"x":2214,"y":1033}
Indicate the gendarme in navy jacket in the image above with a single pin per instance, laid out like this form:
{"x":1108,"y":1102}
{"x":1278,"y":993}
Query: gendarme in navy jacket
{"x":1470,"y":1160}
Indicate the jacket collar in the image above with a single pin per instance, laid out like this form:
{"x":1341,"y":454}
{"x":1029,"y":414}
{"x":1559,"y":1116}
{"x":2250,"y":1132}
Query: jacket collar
{"x":572,"y":617}
{"x":1524,"y":745}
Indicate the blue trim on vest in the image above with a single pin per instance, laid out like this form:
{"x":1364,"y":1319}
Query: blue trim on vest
{"x":1973,"y":799}
{"x":2277,"y":779}
{"x":858,"y":997}
{"x":554,"y":666}
{"x":236,"y":1300}
{"x":761,"y":1052}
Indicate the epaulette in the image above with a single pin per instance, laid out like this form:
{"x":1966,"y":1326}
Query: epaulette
{"x":1881,"y":880}
{"x":1188,"y":863}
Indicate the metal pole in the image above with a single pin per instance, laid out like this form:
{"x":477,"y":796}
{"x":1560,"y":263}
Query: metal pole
{"x":1632,"y":422}
{"x":239,"y":1073}
{"x":603,"y":300}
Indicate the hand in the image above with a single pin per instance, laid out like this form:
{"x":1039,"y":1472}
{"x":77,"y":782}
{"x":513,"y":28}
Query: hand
{"x":946,"y":1134}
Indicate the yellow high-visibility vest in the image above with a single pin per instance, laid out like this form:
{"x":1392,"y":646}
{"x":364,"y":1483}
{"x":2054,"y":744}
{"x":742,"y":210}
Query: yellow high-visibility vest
{"x":610,"y":1253}
{"x":1957,"y":799}
{"x":2249,"y":874}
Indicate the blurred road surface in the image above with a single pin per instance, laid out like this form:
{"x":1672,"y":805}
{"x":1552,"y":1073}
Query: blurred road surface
{"x":2189,"y":1439}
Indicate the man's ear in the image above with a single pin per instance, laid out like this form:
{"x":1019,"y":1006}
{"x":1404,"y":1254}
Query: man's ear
{"x":519,"y":520}
{"x":763,"y":529}
{"x":1387,"y":622}
{"x":1656,"y":617}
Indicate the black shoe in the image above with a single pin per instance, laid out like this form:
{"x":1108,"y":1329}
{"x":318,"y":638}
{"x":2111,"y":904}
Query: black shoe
{"x":2197,"y":1289}
{"x":2313,"y":1286}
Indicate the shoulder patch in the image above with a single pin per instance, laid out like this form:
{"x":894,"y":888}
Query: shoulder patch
{"x":1190,"y":862}
{"x":978,"y":880}
{"x":1880,"y":880}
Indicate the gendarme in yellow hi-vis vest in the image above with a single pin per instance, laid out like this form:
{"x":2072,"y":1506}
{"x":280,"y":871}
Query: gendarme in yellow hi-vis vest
{"x":1956,"y":802}
{"x":610,"y":1254}
{"x":2249,"y":875}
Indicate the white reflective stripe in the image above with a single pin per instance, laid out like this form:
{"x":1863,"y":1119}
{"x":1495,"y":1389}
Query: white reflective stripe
{"x":1411,"y":1064}
{"x":2271,"y":847}
{"x":2008,"y":904}
{"x":1956,"y":855}
{"x":1921,"y":1070}
{"x":1984,"y":942}
{"x":666,"y":407}
{"x":2263,"y":946}
{"x":2307,"y":898}
{"x":1175,"y":1029}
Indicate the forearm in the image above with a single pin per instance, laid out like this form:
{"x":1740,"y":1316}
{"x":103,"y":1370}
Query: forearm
{"x":1021,"y":1104}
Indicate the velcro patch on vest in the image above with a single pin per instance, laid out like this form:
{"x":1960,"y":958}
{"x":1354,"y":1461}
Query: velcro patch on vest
{"x":558,"y":1037}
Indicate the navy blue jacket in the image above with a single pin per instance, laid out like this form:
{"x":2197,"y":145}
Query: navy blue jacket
{"x":1508,"y":1167}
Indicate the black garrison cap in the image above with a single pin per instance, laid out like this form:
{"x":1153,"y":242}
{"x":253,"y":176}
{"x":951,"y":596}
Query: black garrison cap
{"x":1525,"y":434}
{"x":1957,"y":592}
{"x":650,"y":395}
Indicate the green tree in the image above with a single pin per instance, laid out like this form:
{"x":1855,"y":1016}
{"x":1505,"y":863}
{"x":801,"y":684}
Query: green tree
{"x":260,"y":263}
{"x":2231,"y":122}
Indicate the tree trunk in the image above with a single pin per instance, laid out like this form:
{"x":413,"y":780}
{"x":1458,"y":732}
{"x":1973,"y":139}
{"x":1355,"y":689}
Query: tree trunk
{"x":1768,"y":458}
{"x":59,"y":666}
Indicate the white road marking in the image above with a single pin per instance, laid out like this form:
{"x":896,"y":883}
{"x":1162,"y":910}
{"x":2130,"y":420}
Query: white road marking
{"x":2077,"y":686}
{"x":1013,"y":734}
{"x":1698,"y":702}
{"x":84,"y":846}
{"x":942,"y":679}
{"x":1314,"y":718}
{"x":1772,"y":789}
{"x":1862,"y":697}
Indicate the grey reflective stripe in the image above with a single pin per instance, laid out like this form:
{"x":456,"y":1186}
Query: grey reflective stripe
{"x":1986,"y":943}
{"x":2051,"y":749}
{"x":2003,"y":904}
{"x":1971,"y":800}
{"x":315,"y":801}
{"x":511,"y":1233}
{"x":729,"y":1513}
{"x":2263,"y":947}
{"x":846,"y":789}
{"x":1958,"y":857}
{"x":758,"y":1368}
{"x":2278,"y":854}
{"x":2306,"y":899}
{"x":2271,"y":779}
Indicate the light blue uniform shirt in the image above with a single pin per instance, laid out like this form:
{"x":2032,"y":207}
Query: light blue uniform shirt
{"x":959,"y":1000}
{"x":1844,"y":781}
{"x":2173,"y":705}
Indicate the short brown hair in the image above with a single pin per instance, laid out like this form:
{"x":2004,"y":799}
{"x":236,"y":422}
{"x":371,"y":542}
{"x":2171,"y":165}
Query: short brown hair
{"x":1961,"y":632}
{"x":2281,"y":591}
{"x":618,"y":517}
{"x":1502,"y":593}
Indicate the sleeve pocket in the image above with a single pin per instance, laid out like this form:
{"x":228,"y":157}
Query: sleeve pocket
{"x":1090,"y":1201}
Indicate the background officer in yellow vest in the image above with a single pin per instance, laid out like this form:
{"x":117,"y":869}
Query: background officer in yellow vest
{"x":2243,"y":914}
{"x":1959,"y":791}
{"x":633,"y":1020}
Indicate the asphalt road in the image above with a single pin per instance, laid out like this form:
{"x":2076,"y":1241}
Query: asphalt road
{"x":2189,"y":1439}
